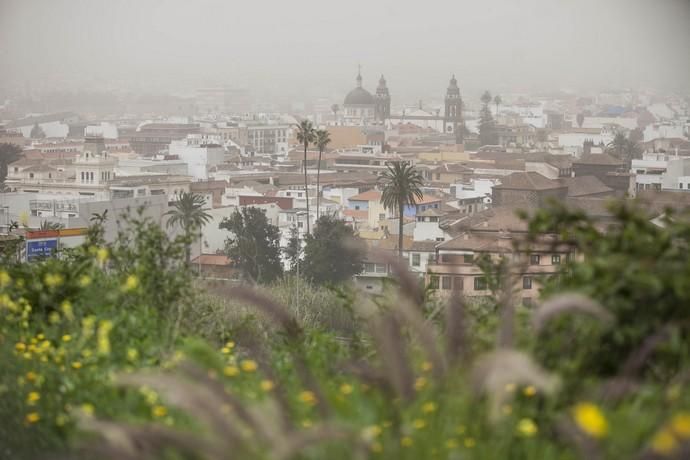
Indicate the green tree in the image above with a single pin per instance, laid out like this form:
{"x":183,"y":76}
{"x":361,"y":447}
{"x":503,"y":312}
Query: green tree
{"x":487,"y":126}
{"x":293,"y":249}
{"x":331,"y":254}
{"x":618,"y":145}
{"x":188,"y":213}
{"x":8,"y":153}
{"x":401,"y":187}
{"x":37,"y":132}
{"x":580,"y":118}
{"x":323,"y":138}
{"x":497,"y":102}
{"x":638,"y":271}
{"x":254,"y":246}
{"x":306,"y":134}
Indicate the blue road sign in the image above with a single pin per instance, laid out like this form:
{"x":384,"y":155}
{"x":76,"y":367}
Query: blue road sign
{"x":40,"y":249}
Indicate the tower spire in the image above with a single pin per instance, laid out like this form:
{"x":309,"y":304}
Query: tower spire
{"x":359,"y":75}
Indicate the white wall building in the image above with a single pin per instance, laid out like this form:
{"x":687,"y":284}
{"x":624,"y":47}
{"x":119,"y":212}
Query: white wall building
{"x":200,"y":152}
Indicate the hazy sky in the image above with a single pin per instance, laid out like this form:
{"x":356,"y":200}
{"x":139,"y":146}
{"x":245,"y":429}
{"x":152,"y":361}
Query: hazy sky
{"x":313,"y":47}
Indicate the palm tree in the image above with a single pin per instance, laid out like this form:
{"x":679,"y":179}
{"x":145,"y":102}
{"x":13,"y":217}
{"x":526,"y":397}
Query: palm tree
{"x":189,"y":214}
{"x":323,"y":138}
{"x":401,"y":187}
{"x":486,"y":97}
{"x":306,"y":134}
{"x":497,"y":101}
{"x":46,"y":225}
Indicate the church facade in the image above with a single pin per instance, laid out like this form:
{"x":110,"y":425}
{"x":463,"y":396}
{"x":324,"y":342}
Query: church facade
{"x":361,"y":108}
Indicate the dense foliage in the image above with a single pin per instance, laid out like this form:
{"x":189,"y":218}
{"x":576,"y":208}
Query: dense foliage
{"x":254,"y":244}
{"x":330,"y":253}
{"x":118,"y":340}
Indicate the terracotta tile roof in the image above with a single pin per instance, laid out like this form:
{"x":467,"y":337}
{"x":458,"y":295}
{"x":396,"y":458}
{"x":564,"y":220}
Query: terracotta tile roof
{"x":369,"y":195}
{"x":528,"y":181}
{"x":356,"y":214}
{"x":584,"y":185}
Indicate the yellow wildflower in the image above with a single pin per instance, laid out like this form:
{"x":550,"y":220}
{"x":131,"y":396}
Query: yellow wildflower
{"x":66,"y":307}
{"x":131,"y":283}
{"x":230,"y":345}
{"x":429,"y":407}
{"x":31,"y":376}
{"x":248,"y":365}
{"x":527,"y":427}
{"x":427,"y":366}
{"x":102,"y":255}
{"x":32,"y":398}
{"x":88,"y":409}
{"x":406,"y":441}
{"x":66,"y":338}
{"x":664,"y":443}
{"x":376,"y":447}
{"x":451,"y":444}
{"x":53,"y":280}
{"x":266,"y":385}
{"x":54,"y":317}
{"x":76,"y":365}
{"x":461,"y":429}
{"x":590,"y":419}
{"x":132,"y":354}
{"x":231,"y":371}
{"x":159,"y":411}
{"x":20,"y":347}
{"x":418,"y":424}
{"x":470,"y":443}
{"x":84,"y":280}
{"x":680,"y":424}
{"x":529,"y":391}
{"x":4,"y":278}
{"x":40,"y":336}
{"x":225,"y":350}
{"x":104,"y":329}
{"x":346,"y":388}
{"x":307,"y":397}
{"x":420,"y":383}
{"x":32,"y":417}
{"x":371,"y":432}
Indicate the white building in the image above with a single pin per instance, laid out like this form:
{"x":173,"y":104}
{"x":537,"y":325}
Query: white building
{"x":200,"y":152}
{"x":660,"y":171}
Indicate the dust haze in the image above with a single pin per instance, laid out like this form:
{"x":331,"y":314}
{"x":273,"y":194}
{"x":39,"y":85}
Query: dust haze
{"x":308,"y":49}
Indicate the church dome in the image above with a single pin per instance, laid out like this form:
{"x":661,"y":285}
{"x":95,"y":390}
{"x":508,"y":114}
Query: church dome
{"x":359,"y":96}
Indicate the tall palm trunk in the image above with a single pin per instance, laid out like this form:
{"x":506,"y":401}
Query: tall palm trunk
{"x":318,"y":189}
{"x":306,"y":188}
{"x":401,"y":209}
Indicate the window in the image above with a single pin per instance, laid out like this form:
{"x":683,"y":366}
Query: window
{"x":468,"y":258}
{"x":433,"y":282}
{"x":439,"y":239}
{"x":534,"y":259}
{"x":431,"y":259}
{"x":31,"y":175}
{"x":446,"y":282}
{"x":16,"y":169}
{"x":356,"y":207}
{"x":381,"y":268}
{"x":300,"y":224}
{"x":370,"y":268}
{"x":556,"y":259}
{"x":479,"y":283}
{"x":382,"y":216}
{"x":526,"y":282}
{"x":457,"y":283}
{"x":415,"y":260}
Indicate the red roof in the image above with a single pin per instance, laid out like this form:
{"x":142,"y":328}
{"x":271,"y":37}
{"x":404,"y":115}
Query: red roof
{"x":369,"y":195}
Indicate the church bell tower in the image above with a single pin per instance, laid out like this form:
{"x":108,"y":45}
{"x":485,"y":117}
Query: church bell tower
{"x":382,"y":105}
{"x":452,"y":116}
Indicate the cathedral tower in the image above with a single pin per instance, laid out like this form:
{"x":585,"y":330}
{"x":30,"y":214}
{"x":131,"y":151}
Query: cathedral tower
{"x":382,"y":109}
{"x":452,"y":116}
